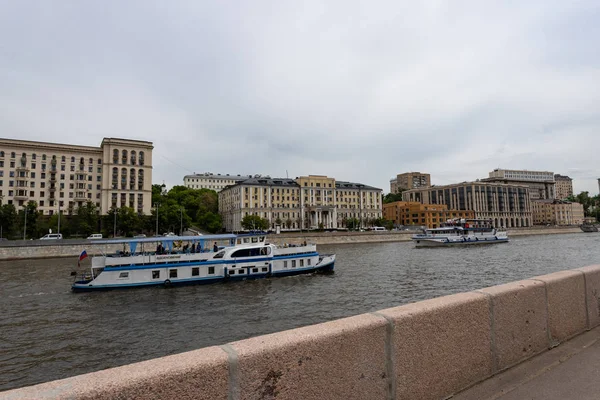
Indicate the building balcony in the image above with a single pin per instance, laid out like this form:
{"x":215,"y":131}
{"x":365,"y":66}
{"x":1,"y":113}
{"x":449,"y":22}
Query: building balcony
{"x":22,"y":168}
{"x":81,"y":197}
{"x":22,"y":196}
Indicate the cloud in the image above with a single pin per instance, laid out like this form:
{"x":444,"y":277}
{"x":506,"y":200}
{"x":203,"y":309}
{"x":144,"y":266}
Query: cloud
{"x":355,"y":91}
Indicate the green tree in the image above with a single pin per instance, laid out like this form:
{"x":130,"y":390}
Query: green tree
{"x":84,"y":222}
{"x":210,"y":222}
{"x":8,"y":218}
{"x":392,"y":197}
{"x":31,"y":219}
{"x":288,"y":223}
{"x":352,"y":224}
{"x":254,"y":222}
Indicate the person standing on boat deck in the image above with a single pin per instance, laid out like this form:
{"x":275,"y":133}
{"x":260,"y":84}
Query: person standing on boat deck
{"x":215,"y":247}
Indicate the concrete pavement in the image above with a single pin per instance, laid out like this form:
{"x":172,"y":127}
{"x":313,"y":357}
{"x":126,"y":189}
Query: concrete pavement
{"x":569,"y":371}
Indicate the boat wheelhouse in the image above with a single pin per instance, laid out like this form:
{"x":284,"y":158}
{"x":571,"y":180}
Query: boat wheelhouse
{"x":184,"y":260}
{"x":458,"y":232}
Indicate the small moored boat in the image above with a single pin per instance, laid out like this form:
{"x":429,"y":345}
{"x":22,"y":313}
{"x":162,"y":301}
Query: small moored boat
{"x":184,"y":260}
{"x":458,"y":232}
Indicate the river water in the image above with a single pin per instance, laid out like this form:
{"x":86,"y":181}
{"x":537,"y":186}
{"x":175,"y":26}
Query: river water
{"x":47,"y":332}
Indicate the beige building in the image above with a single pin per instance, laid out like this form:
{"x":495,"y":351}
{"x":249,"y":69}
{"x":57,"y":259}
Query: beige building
{"x":215,"y":182}
{"x":564,"y":186}
{"x":557,"y":212}
{"x":414,"y":213}
{"x":410,"y":180}
{"x":541,"y":184}
{"x":506,"y":205}
{"x":302,"y":203}
{"x":64,"y":176}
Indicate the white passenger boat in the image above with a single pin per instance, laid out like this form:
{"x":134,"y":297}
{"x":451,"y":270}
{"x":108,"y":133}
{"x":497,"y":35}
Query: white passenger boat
{"x":460,"y":232}
{"x":184,"y":260}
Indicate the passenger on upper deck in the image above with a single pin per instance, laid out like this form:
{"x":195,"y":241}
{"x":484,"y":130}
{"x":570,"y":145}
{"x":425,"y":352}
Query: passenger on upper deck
{"x":215,"y":247}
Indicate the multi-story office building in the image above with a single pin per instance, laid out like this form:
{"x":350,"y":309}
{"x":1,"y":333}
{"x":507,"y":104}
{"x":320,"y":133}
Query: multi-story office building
{"x":306,"y":202}
{"x":415,"y":213}
{"x":64,"y":176}
{"x":540,"y":183}
{"x":506,"y":205}
{"x":564,"y":186}
{"x":409,"y":180}
{"x":557,"y":212}
{"x":215,"y":182}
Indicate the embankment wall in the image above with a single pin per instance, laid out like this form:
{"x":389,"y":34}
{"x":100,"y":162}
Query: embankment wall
{"x":34,"y":249}
{"x":426,"y":350}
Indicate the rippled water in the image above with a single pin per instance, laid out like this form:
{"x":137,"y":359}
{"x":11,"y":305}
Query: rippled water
{"x":47,"y":332}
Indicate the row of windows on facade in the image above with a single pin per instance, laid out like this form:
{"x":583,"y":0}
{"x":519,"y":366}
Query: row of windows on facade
{"x":44,"y":157}
{"x":228,"y":181}
{"x":23,"y":192}
{"x":24,"y":179}
{"x":307,"y":214}
{"x":51,"y":203}
{"x":125,"y":155}
{"x":33,"y":165}
{"x":314,"y":198}
{"x":317,"y":191}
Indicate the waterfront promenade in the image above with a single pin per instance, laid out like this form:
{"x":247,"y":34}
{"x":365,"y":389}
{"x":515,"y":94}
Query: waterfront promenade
{"x":468,"y":345}
{"x":32,"y":249}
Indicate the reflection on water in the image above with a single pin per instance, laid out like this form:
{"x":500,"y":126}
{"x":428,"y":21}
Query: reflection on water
{"x":47,"y":332}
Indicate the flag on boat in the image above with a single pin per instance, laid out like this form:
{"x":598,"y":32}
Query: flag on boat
{"x":82,"y":256}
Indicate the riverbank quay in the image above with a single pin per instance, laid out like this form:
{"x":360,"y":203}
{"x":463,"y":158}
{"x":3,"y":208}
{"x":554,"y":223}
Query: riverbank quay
{"x":432,"y":349}
{"x":37,"y":249}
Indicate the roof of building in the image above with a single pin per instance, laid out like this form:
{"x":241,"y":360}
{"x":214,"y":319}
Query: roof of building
{"x":266,"y":180}
{"x":353,"y":185}
{"x":552,"y":201}
{"x":481,"y":182}
{"x":237,"y":177}
{"x":562,"y":177}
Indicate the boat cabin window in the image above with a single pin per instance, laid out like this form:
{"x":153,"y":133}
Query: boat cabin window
{"x":302,"y":263}
{"x":241,"y":271}
{"x":293,"y":263}
{"x":254,"y":269}
{"x":211,"y":270}
{"x":253,"y":252}
{"x":172,"y":273}
{"x":156,"y":274}
{"x":195,"y":271}
{"x":124,"y":275}
{"x":220,"y":254}
{"x":254,"y":240}
{"x":309,"y":261}
{"x":285,"y":264}
{"x":265,"y":269}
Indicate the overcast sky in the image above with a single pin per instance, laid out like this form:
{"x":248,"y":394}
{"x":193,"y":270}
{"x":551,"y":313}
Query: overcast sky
{"x":355,"y":90}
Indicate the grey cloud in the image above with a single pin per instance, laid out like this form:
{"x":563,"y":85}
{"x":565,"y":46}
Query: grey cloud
{"x":359,"y":91}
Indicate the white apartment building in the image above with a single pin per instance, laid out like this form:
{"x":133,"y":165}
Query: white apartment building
{"x":215,"y":182}
{"x":65,"y":176}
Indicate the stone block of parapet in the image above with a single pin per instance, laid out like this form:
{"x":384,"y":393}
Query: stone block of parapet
{"x":441,"y":346}
{"x":199,"y":374}
{"x":592,"y":292}
{"x":342,"y":359}
{"x":567,"y":311}
{"x":519,"y":321}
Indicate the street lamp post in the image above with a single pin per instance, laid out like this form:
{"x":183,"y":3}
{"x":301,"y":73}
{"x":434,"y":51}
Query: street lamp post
{"x":58,"y":230}
{"x":25,"y":226}
{"x":115,"y":223}
{"x":156,"y":205}
{"x":181,"y":224}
